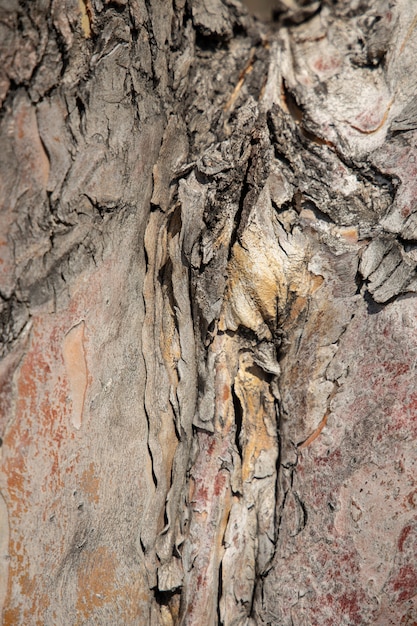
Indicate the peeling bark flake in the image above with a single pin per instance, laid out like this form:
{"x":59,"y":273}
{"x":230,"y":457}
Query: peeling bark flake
{"x":73,"y":352}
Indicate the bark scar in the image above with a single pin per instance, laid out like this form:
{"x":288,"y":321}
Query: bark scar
{"x":73,"y":352}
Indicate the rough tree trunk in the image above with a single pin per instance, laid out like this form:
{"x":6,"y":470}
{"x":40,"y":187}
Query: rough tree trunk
{"x":207,"y":255}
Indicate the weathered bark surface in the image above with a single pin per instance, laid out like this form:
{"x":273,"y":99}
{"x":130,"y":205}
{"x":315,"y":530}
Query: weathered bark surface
{"x":207,"y":280}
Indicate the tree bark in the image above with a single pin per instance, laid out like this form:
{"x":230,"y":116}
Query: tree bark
{"x":208,"y":313}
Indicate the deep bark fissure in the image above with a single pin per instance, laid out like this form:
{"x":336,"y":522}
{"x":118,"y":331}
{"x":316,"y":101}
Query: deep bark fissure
{"x":238,"y":421}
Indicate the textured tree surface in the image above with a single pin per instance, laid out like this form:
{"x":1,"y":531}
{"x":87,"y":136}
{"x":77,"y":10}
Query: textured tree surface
{"x":208,"y":313}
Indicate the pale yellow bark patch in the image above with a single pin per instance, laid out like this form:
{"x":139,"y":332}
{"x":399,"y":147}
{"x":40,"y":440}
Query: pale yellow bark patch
{"x":85,"y":20}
